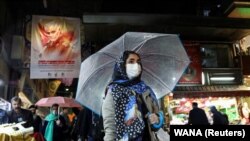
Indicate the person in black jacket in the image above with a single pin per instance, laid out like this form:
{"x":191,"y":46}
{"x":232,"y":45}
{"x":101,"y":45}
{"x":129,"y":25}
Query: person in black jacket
{"x":18,"y":114}
{"x":218,"y":117}
{"x":3,"y":117}
{"x":37,"y":119}
{"x":197,"y":116}
{"x":89,"y":126}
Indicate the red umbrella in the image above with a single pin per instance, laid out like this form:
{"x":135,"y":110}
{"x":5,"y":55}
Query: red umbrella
{"x":61,"y":101}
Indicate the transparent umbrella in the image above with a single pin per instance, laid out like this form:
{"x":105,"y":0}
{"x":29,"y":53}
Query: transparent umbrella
{"x":163,"y":56}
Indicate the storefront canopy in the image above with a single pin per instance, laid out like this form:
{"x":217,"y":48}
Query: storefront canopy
{"x":211,"y":91}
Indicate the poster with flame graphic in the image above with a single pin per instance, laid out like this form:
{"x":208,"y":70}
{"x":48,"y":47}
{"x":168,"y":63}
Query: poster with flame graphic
{"x":55,"y":47}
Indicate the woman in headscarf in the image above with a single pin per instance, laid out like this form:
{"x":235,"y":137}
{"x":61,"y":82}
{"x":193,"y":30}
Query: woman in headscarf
{"x":54,"y":125}
{"x":130,"y":110}
{"x":218,"y":117}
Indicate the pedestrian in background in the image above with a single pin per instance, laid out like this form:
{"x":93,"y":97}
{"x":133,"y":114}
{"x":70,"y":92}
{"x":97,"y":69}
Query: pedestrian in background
{"x":54,"y":125}
{"x":18,"y":114}
{"x":197,"y":116}
{"x":218,"y":117}
{"x":89,"y":126}
{"x":36,"y":118}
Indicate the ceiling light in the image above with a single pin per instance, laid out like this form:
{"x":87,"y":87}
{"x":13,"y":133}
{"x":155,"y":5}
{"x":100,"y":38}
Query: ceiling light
{"x":222,"y":78}
{"x":66,"y":89}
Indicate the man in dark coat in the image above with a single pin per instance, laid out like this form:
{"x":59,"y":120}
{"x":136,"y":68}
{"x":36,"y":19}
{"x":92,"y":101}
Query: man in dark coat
{"x":197,"y":116}
{"x":18,"y":114}
{"x":89,"y":126}
{"x":37,"y":119}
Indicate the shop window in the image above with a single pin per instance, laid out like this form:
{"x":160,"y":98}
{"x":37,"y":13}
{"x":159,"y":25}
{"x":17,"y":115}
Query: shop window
{"x":180,"y":108}
{"x":217,"y":55}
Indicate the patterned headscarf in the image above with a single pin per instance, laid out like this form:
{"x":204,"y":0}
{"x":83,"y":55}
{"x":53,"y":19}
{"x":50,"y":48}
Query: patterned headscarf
{"x":120,"y":75}
{"x":128,"y":112}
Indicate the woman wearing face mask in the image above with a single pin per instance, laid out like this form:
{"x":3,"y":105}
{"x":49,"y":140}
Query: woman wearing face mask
{"x":130,"y":110}
{"x":54,"y":125}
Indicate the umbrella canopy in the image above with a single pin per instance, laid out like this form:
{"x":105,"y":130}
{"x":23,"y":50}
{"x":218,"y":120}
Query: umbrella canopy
{"x":163,"y":60}
{"x":61,"y":101}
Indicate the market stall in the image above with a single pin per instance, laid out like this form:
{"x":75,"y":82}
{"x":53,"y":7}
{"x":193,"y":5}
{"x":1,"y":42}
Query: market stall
{"x":16,"y":132}
{"x":180,"y":108}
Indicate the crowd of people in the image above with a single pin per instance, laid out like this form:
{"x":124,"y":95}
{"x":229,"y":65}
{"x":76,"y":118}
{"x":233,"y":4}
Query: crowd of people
{"x":56,"y":126}
{"x":130,"y":111}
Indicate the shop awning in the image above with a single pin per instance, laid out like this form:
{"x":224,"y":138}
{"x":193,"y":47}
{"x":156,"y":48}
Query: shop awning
{"x":213,"y":91}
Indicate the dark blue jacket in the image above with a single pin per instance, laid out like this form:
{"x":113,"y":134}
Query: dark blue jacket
{"x":3,"y":117}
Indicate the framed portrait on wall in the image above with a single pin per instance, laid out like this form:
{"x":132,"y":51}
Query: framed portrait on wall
{"x":192,"y":74}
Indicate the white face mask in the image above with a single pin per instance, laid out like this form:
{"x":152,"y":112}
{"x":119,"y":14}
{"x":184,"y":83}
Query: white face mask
{"x":54,"y":112}
{"x":133,"y":70}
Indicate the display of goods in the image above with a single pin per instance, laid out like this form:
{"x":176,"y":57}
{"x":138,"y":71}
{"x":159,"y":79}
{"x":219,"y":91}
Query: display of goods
{"x":15,"y":129}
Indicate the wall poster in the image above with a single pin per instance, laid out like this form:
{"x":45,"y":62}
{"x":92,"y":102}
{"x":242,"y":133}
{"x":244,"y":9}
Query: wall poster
{"x":55,"y":47}
{"x":193,"y":73}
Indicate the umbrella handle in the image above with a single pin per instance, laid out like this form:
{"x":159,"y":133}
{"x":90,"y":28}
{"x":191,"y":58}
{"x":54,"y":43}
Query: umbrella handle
{"x":58,"y":112}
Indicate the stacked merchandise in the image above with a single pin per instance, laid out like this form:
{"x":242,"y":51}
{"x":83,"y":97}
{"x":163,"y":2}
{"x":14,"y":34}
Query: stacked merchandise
{"x":16,"y":129}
